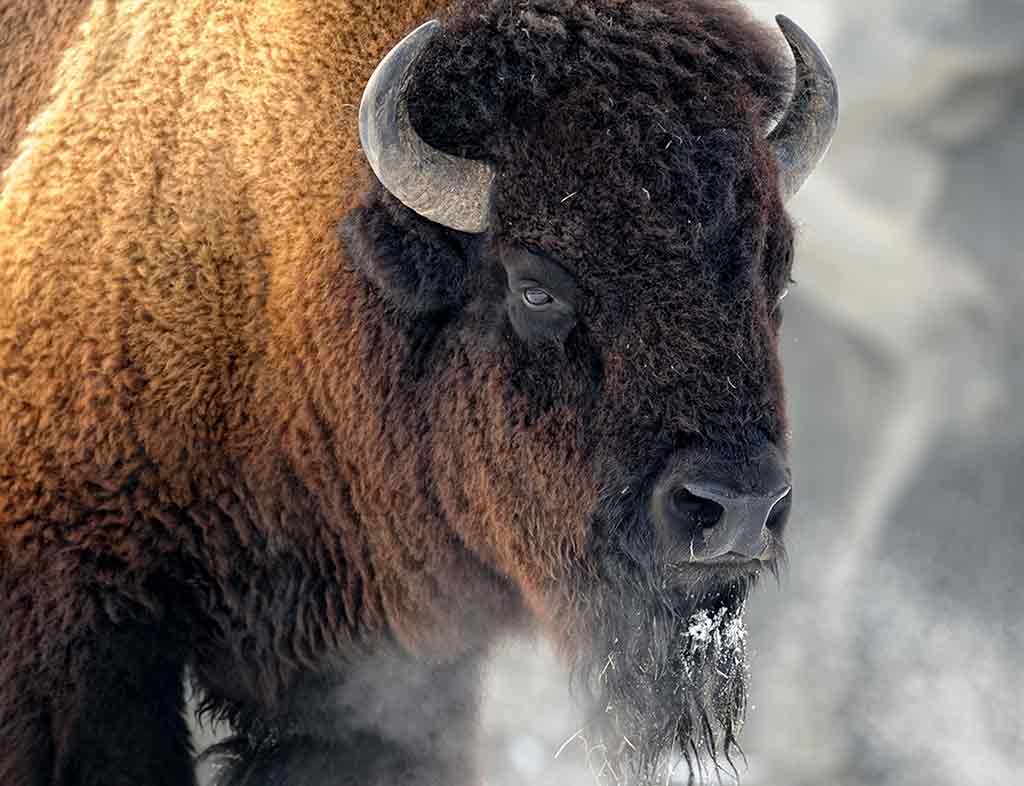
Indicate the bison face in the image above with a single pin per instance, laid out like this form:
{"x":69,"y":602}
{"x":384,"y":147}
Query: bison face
{"x":608,"y":429}
{"x":600,"y":278}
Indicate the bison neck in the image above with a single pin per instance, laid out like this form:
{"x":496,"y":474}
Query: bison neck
{"x":353,"y":457}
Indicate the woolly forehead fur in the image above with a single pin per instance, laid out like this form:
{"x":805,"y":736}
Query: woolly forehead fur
{"x":606,"y":117}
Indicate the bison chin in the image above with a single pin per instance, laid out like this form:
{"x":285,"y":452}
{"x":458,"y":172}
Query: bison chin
{"x":661,"y":654}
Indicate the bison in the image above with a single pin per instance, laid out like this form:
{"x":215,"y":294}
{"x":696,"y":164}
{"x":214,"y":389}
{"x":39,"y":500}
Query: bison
{"x":326,"y":360}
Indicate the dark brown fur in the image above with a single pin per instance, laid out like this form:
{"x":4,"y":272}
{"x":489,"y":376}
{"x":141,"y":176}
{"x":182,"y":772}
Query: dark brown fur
{"x":307,"y":463}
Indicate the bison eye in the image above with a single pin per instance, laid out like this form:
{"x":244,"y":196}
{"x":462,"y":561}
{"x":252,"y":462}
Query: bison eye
{"x":535,"y":297}
{"x":541,"y":296}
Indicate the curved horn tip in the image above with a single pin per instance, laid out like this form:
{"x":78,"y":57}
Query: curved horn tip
{"x":804,"y":134}
{"x":448,"y":190}
{"x":388,"y":77}
{"x":803,"y":45}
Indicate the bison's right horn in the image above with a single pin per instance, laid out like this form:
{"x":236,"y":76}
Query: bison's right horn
{"x":802,"y":137}
{"x":446,"y":189}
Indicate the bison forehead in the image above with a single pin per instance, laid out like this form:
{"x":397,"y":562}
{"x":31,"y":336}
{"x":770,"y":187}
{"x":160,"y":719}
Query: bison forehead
{"x":628,"y":127}
{"x":494,"y":69}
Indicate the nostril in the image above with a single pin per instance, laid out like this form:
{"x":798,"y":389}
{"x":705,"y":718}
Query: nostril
{"x":699,"y":513}
{"x":779,"y":514}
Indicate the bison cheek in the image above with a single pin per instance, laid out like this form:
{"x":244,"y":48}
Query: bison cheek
{"x":518,"y":495}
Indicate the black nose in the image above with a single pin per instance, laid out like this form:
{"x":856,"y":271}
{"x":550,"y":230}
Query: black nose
{"x":713,"y":509}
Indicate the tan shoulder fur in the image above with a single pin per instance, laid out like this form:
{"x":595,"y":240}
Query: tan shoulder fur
{"x":170,"y":168}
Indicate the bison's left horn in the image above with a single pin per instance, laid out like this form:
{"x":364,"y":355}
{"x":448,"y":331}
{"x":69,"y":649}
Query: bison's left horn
{"x":802,"y":137}
{"x":452,"y":191}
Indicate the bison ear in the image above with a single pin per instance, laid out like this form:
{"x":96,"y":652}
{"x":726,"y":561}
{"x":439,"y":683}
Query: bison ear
{"x":418,"y":265}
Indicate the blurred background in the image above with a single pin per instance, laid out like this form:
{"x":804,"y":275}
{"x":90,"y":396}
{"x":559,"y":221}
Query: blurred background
{"x":893,"y":651}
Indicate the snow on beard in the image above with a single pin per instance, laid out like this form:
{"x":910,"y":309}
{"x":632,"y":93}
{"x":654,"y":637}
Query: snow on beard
{"x":665,"y":668}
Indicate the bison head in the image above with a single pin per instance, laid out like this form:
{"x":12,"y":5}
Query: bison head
{"x":579,"y":225}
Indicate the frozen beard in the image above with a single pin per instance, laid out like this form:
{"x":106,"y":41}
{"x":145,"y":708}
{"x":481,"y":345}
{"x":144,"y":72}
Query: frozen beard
{"x":666,"y":670}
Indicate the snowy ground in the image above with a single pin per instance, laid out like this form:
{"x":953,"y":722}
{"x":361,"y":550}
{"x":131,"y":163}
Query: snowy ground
{"x":892,"y":654}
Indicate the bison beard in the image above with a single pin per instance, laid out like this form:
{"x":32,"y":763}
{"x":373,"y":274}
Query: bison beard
{"x":659,"y":651}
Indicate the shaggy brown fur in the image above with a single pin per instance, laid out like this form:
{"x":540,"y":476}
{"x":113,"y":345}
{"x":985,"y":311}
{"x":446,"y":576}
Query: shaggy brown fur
{"x":322,"y":469}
